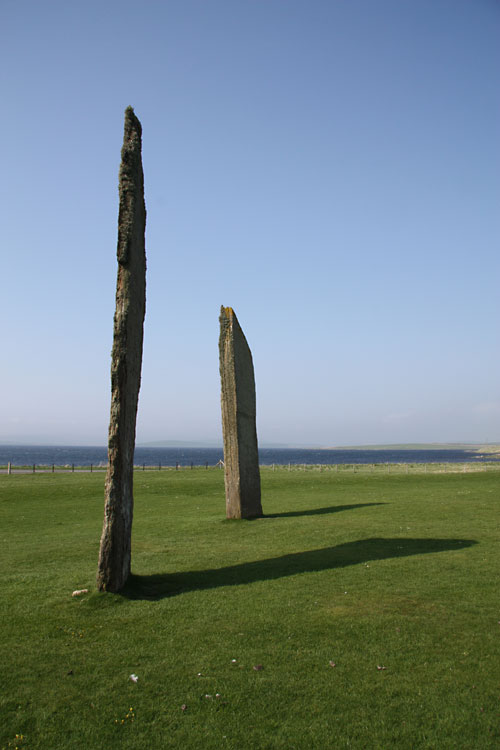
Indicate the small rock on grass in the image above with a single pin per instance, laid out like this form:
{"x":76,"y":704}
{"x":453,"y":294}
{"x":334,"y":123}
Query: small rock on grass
{"x":79,"y":592}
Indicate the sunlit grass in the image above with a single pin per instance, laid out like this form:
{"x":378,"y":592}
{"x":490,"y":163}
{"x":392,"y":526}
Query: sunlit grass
{"x":393,"y":578}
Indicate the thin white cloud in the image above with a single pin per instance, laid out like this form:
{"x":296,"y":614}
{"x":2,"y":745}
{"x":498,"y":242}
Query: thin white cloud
{"x":398,"y":417}
{"x":487,"y":407}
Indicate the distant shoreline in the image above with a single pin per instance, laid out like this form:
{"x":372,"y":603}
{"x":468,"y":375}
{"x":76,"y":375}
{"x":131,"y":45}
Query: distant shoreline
{"x":97,"y":456}
{"x":472,"y":447}
{"x":492,"y":448}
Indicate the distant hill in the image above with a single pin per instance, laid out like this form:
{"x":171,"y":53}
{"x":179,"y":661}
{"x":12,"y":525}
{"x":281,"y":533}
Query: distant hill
{"x":217,"y":444}
{"x":180,"y":444}
{"x":481,"y":448}
{"x":476,"y":447}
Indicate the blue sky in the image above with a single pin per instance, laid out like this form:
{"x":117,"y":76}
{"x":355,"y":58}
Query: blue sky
{"x":330,"y":169}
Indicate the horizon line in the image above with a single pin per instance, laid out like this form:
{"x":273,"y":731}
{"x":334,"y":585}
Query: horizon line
{"x":264,"y":445}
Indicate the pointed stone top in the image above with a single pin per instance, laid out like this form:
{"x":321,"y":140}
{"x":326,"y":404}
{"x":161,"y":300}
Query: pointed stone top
{"x":131,"y":187}
{"x":132,"y":123}
{"x":228,"y":319}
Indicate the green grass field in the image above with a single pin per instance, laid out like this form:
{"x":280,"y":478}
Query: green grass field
{"x":392,"y":578}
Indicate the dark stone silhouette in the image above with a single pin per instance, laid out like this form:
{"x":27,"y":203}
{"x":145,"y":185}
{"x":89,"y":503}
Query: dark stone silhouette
{"x":241,"y":456}
{"x":126,"y":359}
{"x":160,"y":585}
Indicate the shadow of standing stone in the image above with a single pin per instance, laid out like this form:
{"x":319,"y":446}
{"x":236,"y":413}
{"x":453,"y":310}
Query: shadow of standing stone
{"x":241,"y":456}
{"x":126,"y":360}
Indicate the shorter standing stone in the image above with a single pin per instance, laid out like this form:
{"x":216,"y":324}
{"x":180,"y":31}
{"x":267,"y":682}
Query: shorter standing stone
{"x":241,"y":455}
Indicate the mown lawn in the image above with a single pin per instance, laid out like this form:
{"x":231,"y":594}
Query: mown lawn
{"x":394,"y":579}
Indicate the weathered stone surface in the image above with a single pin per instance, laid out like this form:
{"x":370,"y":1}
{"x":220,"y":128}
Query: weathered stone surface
{"x":126,"y":359}
{"x":241,"y":457}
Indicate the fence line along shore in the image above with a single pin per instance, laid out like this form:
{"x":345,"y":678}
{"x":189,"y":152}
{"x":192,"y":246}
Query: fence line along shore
{"x":346,"y":468}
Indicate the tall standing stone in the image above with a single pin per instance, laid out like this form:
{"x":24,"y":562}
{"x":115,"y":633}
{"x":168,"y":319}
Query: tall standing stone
{"x":126,"y":359}
{"x":241,"y":456}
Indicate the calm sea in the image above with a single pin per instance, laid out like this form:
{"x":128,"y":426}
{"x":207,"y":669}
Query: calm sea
{"x":46,"y":455}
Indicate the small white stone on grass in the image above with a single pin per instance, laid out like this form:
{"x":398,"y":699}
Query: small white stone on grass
{"x":79,"y":592}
